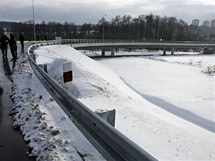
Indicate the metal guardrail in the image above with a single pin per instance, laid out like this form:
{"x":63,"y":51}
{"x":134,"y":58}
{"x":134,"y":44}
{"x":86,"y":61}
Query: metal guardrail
{"x":107,"y":140}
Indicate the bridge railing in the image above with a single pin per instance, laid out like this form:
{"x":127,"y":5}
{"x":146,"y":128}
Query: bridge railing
{"x":106,"y":139}
{"x":78,"y":41}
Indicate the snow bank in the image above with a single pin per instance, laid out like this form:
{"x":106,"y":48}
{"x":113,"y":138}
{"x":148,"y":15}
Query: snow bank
{"x":50,"y":135}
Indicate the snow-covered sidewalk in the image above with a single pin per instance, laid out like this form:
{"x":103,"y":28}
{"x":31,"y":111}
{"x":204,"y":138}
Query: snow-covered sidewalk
{"x":50,"y":134}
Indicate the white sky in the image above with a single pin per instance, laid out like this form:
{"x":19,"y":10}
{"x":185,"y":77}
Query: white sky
{"x":90,"y":11}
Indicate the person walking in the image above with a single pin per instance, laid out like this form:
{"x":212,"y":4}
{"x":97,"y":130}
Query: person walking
{"x":4,"y":40}
{"x":22,"y":39}
{"x":1,"y":47}
{"x":13,"y":46}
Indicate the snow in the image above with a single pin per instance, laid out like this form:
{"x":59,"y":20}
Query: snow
{"x":165,"y":104}
{"x":158,"y":78}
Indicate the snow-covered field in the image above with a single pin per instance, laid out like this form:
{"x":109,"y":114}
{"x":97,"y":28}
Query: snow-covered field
{"x":165,"y":104}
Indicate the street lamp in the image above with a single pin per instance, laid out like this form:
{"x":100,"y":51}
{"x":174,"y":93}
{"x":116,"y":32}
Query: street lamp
{"x":158,"y":32}
{"x":103,"y":28}
{"x":33,"y":20}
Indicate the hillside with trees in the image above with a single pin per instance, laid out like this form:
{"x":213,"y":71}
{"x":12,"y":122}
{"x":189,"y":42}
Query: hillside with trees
{"x":144,"y":27}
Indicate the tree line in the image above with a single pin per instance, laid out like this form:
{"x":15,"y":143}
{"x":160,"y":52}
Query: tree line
{"x":144,"y":27}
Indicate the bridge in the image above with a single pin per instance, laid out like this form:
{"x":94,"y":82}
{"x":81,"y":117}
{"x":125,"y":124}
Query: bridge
{"x":207,"y":47}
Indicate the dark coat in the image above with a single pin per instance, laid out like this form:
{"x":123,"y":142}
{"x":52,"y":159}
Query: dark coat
{"x":12,"y":43}
{"x":4,"y":40}
{"x":21,"y":38}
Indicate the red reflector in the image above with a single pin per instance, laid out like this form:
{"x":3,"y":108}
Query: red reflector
{"x":67,"y":76}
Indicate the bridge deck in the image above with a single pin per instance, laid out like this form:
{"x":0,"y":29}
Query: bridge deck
{"x":161,"y":45}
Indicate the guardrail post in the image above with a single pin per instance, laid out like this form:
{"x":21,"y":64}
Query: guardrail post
{"x":107,"y":115}
{"x":34,"y":57}
{"x":44,"y":67}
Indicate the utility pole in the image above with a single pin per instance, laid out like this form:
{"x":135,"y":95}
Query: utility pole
{"x":158,"y":29}
{"x":33,"y":20}
{"x":103,"y":28}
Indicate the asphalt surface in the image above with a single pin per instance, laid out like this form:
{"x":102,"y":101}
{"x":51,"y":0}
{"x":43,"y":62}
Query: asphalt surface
{"x":12,"y":145}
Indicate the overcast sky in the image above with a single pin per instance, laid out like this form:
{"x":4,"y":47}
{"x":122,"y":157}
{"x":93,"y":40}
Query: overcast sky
{"x":91,"y":11}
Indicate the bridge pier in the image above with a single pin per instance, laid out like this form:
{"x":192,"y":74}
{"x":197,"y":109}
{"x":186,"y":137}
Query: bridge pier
{"x":208,"y":51}
{"x":112,"y":52}
{"x":172,"y":51}
{"x":164,"y":51}
{"x":103,"y":52}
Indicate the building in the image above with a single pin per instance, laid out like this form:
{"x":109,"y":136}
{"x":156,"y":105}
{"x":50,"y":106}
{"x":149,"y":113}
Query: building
{"x":195,"y":22}
{"x":213,"y":23}
{"x":206,"y":23}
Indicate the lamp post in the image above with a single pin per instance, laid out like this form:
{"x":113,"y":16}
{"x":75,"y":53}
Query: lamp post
{"x":33,"y":20}
{"x":158,"y":29}
{"x":103,"y":28}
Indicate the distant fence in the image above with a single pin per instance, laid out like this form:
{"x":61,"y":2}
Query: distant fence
{"x":107,"y":140}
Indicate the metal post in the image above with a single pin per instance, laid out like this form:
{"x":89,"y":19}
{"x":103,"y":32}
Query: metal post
{"x":34,"y":57}
{"x":158,"y":31}
{"x":103,"y":28}
{"x":107,"y":115}
{"x":34,"y":20}
{"x":103,"y":31}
